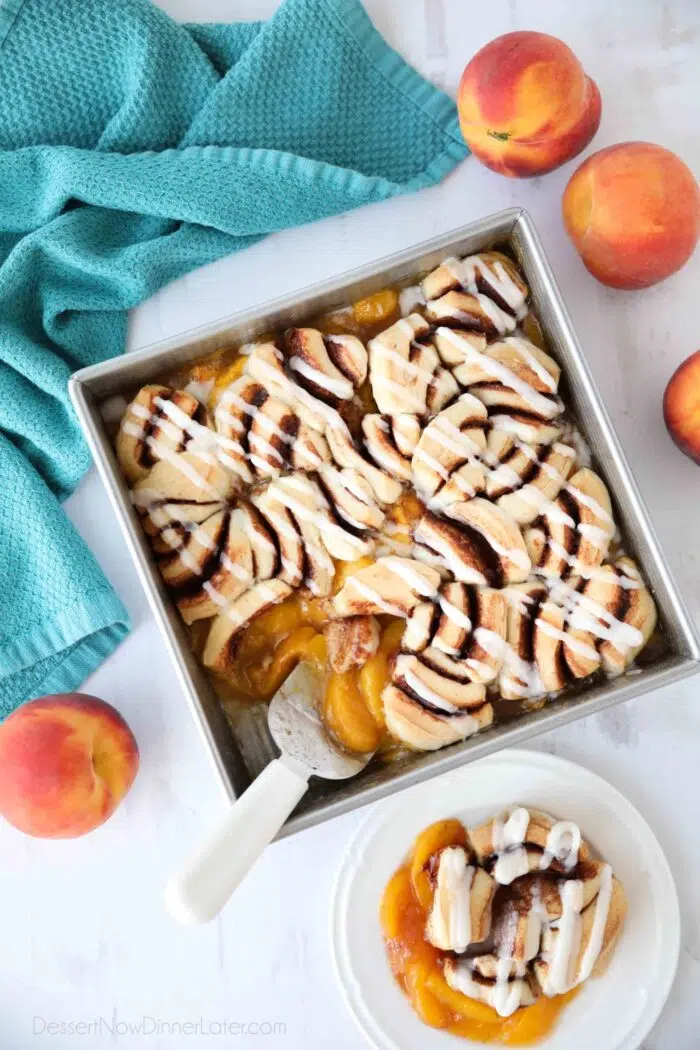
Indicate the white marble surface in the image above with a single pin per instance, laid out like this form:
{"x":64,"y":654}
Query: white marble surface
{"x":84,"y":935}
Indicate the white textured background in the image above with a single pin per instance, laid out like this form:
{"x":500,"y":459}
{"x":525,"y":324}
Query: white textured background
{"x":83,"y":934}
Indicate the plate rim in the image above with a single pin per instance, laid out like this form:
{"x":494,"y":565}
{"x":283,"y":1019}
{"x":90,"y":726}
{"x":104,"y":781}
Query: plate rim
{"x":634,"y":1037}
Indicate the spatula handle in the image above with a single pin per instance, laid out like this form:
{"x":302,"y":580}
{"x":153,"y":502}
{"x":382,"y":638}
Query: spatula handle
{"x":200,"y":890}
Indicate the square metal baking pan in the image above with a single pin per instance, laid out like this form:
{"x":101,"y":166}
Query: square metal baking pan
{"x":239,"y":744}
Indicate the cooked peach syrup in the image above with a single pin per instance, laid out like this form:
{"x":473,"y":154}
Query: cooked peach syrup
{"x":418,"y":966}
{"x":292,"y":632}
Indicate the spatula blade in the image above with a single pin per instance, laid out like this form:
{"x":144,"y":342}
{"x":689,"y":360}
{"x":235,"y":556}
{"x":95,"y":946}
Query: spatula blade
{"x":298,"y":731}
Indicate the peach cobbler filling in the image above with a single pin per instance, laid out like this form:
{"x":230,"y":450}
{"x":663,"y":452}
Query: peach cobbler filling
{"x":395,"y":493}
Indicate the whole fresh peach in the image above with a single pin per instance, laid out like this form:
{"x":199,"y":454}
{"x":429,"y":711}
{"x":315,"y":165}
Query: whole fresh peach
{"x":682,"y":406}
{"x":66,"y":762}
{"x":633,"y":213}
{"x":525,"y":104}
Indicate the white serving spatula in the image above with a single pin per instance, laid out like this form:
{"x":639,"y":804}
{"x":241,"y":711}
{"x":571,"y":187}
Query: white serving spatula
{"x":200,"y":890}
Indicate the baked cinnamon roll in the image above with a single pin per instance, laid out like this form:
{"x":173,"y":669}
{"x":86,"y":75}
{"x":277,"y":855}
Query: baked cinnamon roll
{"x":405,"y":371}
{"x":426,"y":724}
{"x":261,"y":437}
{"x":158,"y":423}
{"x":301,"y":374}
{"x":390,"y":442}
{"x":580,"y":944}
{"x":353,"y":501}
{"x":309,"y":532}
{"x":543,"y":930}
{"x":291,"y":507}
{"x":479,"y":543}
{"x":517,"y":382}
{"x":610,"y":618}
{"x":185,"y":478}
{"x":390,"y":585}
{"x":447,"y":464}
{"x":503,"y":996}
{"x":463,"y":897}
{"x":573,"y":533}
{"x":461,"y":634}
{"x":467,"y":315}
{"x":491,"y":278}
{"x":331,"y":367}
{"x":183,"y":503}
{"x":461,"y":459}
{"x":345,"y":454}
{"x":522,"y":840}
{"x":563,"y":630}
{"x":527,"y":479}
{"x":351,"y":642}
{"x":227,"y":629}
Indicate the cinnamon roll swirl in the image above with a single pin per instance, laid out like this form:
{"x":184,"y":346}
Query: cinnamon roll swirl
{"x":159,"y":423}
{"x":405,"y":371}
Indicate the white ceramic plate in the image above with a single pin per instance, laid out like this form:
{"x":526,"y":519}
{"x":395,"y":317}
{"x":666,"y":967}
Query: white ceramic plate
{"x":614,"y":1012}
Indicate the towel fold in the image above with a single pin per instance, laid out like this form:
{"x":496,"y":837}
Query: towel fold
{"x":133,"y":149}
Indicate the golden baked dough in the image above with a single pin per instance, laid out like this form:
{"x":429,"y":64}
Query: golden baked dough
{"x":413,"y":493}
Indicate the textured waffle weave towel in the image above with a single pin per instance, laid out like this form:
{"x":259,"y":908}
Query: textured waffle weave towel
{"x":133,"y":149}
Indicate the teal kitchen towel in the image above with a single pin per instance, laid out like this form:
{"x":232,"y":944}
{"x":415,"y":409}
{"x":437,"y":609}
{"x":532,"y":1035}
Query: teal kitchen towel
{"x":133,"y":149}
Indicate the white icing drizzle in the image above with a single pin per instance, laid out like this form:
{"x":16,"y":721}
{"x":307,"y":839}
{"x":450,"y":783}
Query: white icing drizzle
{"x":339,"y":387}
{"x":431,"y":462}
{"x":567,"y":941}
{"x":453,"y":613}
{"x":491,"y":643}
{"x":292,"y":390}
{"x":417,"y":686}
{"x":501,"y":321}
{"x":465,"y":573}
{"x":410,"y":576}
{"x":449,"y":925}
{"x":201,"y":389}
{"x":507,"y":839}
{"x":524,"y":351}
{"x":517,"y":557}
{"x":563,"y":844}
{"x":523,"y":679}
{"x":268,"y":594}
{"x":588,"y":501}
{"x":465,"y":270}
{"x":373,"y":596}
{"x":507,"y":425}
{"x":583,"y":613}
{"x":574,"y":644}
{"x":538,"y":402}
{"x":600,"y":918}
{"x":410,"y":367}
{"x":236,"y":570}
{"x":410,"y":298}
{"x":408,"y":399}
{"x":311,"y":515}
{"x":483,"y":670}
